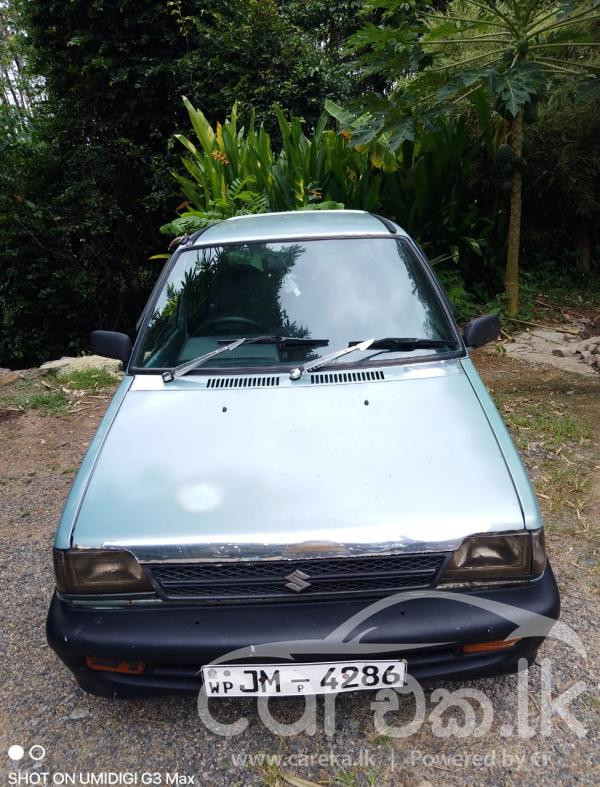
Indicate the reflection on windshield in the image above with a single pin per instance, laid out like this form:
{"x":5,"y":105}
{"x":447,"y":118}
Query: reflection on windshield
{"x":340,"y":290}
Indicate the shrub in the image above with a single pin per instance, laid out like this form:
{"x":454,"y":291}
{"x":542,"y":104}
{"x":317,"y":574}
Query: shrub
{"x":442,"y":188}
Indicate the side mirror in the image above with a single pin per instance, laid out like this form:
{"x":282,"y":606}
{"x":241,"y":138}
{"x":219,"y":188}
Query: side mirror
{"x":481,"y":330}
{"x":111,"y":344}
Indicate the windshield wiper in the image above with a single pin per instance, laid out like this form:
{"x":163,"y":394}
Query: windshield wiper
{"x":184,"y":368}
{"x":406,"y":344}
{"x":297,"y":373}
{"x":284,"y":341}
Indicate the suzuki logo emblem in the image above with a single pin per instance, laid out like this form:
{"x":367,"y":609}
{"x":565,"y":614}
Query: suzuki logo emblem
{"x":297,"y":581}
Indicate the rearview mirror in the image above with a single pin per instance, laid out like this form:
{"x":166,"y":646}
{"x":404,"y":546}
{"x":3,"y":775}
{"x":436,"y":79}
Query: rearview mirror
{"x":481,"y":330}
{"x":111,"y":344}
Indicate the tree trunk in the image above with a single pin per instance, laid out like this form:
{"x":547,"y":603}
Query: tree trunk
{"x":511,"y":280}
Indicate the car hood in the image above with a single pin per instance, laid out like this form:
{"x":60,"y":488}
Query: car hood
{"x":405,"y":462}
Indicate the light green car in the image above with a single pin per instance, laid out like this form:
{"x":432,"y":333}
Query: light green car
{"x":300,"y":460}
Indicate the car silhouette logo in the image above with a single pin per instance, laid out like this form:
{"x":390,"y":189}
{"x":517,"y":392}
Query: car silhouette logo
{"x":297,"y":581}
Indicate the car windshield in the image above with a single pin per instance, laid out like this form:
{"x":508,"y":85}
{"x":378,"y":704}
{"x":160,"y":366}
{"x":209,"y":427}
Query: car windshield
{"x":334,"y":291}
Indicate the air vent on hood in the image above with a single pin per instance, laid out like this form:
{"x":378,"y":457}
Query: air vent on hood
{"x":346,"y":377}
{"x":242,"y":382}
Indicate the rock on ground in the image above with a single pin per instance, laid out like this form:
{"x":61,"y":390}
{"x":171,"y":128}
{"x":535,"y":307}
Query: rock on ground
{"x":556,"y":348}
{"x":7,"y":377}
{"x":66,"y":364}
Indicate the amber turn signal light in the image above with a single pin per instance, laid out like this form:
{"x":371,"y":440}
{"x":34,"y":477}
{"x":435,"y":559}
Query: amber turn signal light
{"x":114,"y":665}
{"x":484,"y":647}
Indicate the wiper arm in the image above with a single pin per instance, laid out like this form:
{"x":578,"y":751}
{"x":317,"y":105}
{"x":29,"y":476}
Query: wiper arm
{"x":297,"y":373}
{"x":184,"y":368}
{"x":284,"y":341}
{"x":406,"y":344}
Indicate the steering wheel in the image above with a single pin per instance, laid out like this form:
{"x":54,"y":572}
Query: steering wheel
{"x":234,"y":319}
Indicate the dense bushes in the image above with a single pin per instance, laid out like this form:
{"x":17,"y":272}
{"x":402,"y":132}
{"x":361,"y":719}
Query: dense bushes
{"x":70,"y":247}
{"x":76,"y":219}
{"x":84,"y":177}
{"x":448,"y":188}
{"x":85,"y":171}
{"x":436,"y":59}
{"x":443,"y":188}
{"x":563,"y":190}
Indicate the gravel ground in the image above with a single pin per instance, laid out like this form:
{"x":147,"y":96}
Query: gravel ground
{"x":42,"y":705}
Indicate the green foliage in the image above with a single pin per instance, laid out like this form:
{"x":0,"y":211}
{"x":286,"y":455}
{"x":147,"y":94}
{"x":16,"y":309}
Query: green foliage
{"x":563,"y":186}
{"x":76,"y":221}
{"x":553,"y":427}
{"x":431,"y":61}
{"x":434,"y":196}
{"x":256,"y":52}
{"x":87,"y":379}
{"x":233,"y":171}
{"x":463,"y":304}
{"x":51,"y":402}
{"x":17,"y":89}
{"x":435,"y":62}
{"x":85,"y":156}
{"x":84,"y":178}
{"x":432,"y":186}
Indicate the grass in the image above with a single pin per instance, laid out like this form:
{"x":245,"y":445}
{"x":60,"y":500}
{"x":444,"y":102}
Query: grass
{"x":55,"y":393}
{"x":87,"y":379}
{"x":564,"y":485}
{"x":272,"y":775}
{"x":344,"y":778}
{"x":546,"y":424}
{"x":48,"y":403}
{"x":560,"y":479}
{"x":349,"y":778}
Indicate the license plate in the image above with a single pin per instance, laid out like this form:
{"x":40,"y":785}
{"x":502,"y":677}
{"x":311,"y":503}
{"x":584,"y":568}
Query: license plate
{"x":284,"y":680}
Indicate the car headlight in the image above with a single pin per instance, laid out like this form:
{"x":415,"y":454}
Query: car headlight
{"x":91,"y":571}
{"x":494,"y":556}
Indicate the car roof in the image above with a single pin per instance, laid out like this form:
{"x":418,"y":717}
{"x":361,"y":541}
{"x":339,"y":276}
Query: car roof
{"x":298,"y":224}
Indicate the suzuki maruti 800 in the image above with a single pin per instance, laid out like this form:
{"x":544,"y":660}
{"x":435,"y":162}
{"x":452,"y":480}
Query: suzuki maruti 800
{"x":301,"y":484}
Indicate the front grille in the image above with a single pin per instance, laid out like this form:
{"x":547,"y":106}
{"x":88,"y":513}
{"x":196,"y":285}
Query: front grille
{"x":269,"y":579}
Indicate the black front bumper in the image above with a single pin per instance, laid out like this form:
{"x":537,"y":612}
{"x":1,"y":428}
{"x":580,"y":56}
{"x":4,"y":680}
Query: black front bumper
{"x":176,"y":641}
